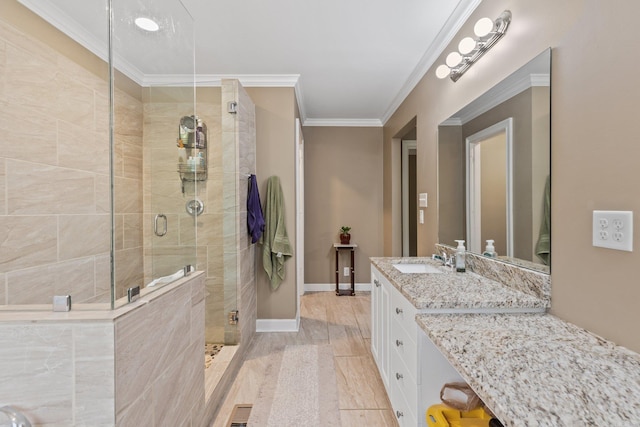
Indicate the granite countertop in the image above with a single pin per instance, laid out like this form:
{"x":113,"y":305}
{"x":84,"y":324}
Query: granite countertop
{"x":454,"y":291}
{"x":537,"y":370}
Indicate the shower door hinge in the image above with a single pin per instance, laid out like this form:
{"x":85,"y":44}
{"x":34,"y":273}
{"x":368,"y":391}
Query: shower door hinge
{"x":233,"y":317}
{"x":133,"y":293}
{"x":62,"y":303}
{"x":232,"y":107}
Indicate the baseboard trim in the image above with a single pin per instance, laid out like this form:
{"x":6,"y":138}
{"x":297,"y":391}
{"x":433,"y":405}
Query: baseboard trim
{"x":276,"y":325}
{"x":331,"y":287}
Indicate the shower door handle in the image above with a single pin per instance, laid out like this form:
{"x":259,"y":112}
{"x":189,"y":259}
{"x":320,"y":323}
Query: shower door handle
{"x":156,"y":230}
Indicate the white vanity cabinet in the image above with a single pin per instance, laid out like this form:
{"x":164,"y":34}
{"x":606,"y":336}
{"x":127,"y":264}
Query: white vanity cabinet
{"x":380,"y":323}
{"x":412,"y":368}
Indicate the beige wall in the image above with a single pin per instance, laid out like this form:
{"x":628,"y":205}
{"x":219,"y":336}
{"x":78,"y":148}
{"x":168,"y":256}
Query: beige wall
{"x":593,"y":156}
{"x":275,"y":155}
{"x":343,"y":186}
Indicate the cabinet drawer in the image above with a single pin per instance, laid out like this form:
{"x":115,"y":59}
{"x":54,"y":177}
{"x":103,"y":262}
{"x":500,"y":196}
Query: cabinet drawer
{"x":405,"y":347}
{"x":405,"y":383}
{"x":403,"y":410}
{"x":403,"y":311}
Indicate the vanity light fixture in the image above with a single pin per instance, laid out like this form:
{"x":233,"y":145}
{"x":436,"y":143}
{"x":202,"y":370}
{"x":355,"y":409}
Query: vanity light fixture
{"x":487,"y":33}
{"x":147,"y":24}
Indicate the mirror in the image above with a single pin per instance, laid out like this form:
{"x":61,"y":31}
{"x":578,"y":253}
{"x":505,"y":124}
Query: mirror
{"x":494,"y":169}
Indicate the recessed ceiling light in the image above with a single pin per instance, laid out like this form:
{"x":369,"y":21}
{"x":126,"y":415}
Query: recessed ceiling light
{"x":147,"y":24}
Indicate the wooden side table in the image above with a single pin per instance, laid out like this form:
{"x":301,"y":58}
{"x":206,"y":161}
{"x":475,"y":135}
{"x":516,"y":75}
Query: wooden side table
{"x":352,"y":247}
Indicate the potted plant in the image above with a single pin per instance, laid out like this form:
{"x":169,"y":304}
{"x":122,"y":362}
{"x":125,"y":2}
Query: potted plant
{"x":345,"y":237}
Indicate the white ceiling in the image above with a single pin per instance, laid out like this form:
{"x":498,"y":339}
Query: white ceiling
{"x":351,"y":61}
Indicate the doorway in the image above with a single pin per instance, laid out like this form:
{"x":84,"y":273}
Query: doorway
{"x":489,"y":188}
{"x":409,"y":199}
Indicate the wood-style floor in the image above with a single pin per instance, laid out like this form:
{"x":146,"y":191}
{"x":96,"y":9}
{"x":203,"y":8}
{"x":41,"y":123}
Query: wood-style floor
{"x":344,"y":323}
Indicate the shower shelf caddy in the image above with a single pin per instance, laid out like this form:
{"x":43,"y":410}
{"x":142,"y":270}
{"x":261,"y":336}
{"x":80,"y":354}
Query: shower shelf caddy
{"x":192,"y":149}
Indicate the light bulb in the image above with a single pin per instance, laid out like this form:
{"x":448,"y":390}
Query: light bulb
{"x":442,"y":71}
{"x":147,"y":24}
{"x":453,"y":59}
{"x":466,"y":45}
{"x":483,"y":27}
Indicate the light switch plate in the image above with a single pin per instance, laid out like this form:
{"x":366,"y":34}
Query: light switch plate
{"x":613,"y":230}
{"x":423,"y":200}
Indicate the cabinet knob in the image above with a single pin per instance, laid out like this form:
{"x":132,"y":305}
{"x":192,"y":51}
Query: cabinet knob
{"x":399,"y":376}
{"x":399,"y":414}
{"x":398,"y":343}
{"x":375,"y":281}
{"x":398,"y":310}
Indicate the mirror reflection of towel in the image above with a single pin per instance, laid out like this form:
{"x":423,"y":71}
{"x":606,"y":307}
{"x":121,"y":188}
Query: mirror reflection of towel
{"x":276,"y":248}
{"x":543,"y":247}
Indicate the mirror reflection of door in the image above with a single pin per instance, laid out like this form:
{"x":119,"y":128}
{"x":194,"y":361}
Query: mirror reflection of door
{"x":409,"y":199}
{"x":489,"y":204}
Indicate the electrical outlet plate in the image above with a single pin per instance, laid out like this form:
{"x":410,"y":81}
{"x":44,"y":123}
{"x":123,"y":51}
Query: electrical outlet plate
{"x":613,"y":230}
{"x":345,"y":271}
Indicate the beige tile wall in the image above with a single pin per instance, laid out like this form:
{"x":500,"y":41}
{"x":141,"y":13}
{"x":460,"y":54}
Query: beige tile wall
{"x":50,"y":371}
{"x":54,"y":177}
{"x":140,"y":366}
{"x":163,"y":109}
{"x":159,"y":369}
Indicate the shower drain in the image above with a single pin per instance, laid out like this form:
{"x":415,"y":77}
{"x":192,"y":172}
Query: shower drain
{"x":240,"y":415}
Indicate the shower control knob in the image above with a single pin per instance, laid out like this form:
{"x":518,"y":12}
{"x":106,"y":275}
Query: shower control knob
{"x":399,"y":376}
{"x":398,"y":343}
{"x":399,"y":414}
{"x":398,"y":310}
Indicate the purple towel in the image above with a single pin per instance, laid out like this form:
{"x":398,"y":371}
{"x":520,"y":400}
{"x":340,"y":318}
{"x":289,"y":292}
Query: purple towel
{"x":255,"y":218}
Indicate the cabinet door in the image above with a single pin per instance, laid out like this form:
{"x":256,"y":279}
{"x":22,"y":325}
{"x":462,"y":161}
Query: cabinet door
{"x":375,"y":314}
{"x":383,"y":344}
{"x":380,"y":323}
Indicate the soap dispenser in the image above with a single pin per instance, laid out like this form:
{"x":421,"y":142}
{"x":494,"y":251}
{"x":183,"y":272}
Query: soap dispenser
{"x":490,"y":250}
{"x":460,"y":257}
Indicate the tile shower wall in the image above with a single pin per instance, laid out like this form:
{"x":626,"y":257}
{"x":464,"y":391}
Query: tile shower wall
{"x":54,"y":177}
{"x":159,"y":369}
{"x":163,"y":189}
{"x":239,"y":158}
{"x":135,"y":366}
{"x":50,"y":370}
{"x":163,"y":194}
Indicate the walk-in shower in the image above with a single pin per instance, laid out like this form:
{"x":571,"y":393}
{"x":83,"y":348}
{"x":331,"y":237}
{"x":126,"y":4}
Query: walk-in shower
{"x":100,"y":189}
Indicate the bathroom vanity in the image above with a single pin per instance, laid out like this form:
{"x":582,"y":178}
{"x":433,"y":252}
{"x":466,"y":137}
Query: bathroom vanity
{"x":411,"y":366}
{"x":431,"y":326}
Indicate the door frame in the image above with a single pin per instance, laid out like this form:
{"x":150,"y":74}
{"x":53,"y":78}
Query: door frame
{"x":474,"y":214}
{"x":299,"y":166}
{"x":407,"y":146}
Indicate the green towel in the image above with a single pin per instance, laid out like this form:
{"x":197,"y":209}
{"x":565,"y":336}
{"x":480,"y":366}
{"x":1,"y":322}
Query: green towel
{"x":276,"y":248}
{"x":543,"y":247}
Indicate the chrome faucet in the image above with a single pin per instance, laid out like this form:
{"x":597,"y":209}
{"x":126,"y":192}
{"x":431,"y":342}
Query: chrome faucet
{"x":444,"y":259}
{"x":17,"y":419}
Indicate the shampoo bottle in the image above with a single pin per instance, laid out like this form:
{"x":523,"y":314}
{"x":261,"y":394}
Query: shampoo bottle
{"x":490,"y":250}
{"x":199,"y":135}
{"x":460,"y":257}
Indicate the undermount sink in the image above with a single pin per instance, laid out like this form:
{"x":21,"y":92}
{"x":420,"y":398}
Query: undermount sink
{"x":417,"y":268}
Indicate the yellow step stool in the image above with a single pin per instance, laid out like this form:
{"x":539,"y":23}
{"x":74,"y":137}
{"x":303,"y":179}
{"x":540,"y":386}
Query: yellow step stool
{"x":445,"y":416}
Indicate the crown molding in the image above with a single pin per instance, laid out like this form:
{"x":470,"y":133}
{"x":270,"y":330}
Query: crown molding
{"x":452,"y":121}
{"x":435,"y":49}
{"x":300,"y":100}
{"x":343,"y":122}
{"x":249,"y":80}
{"x":507,"y":89}
{"x":215,"y":80}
